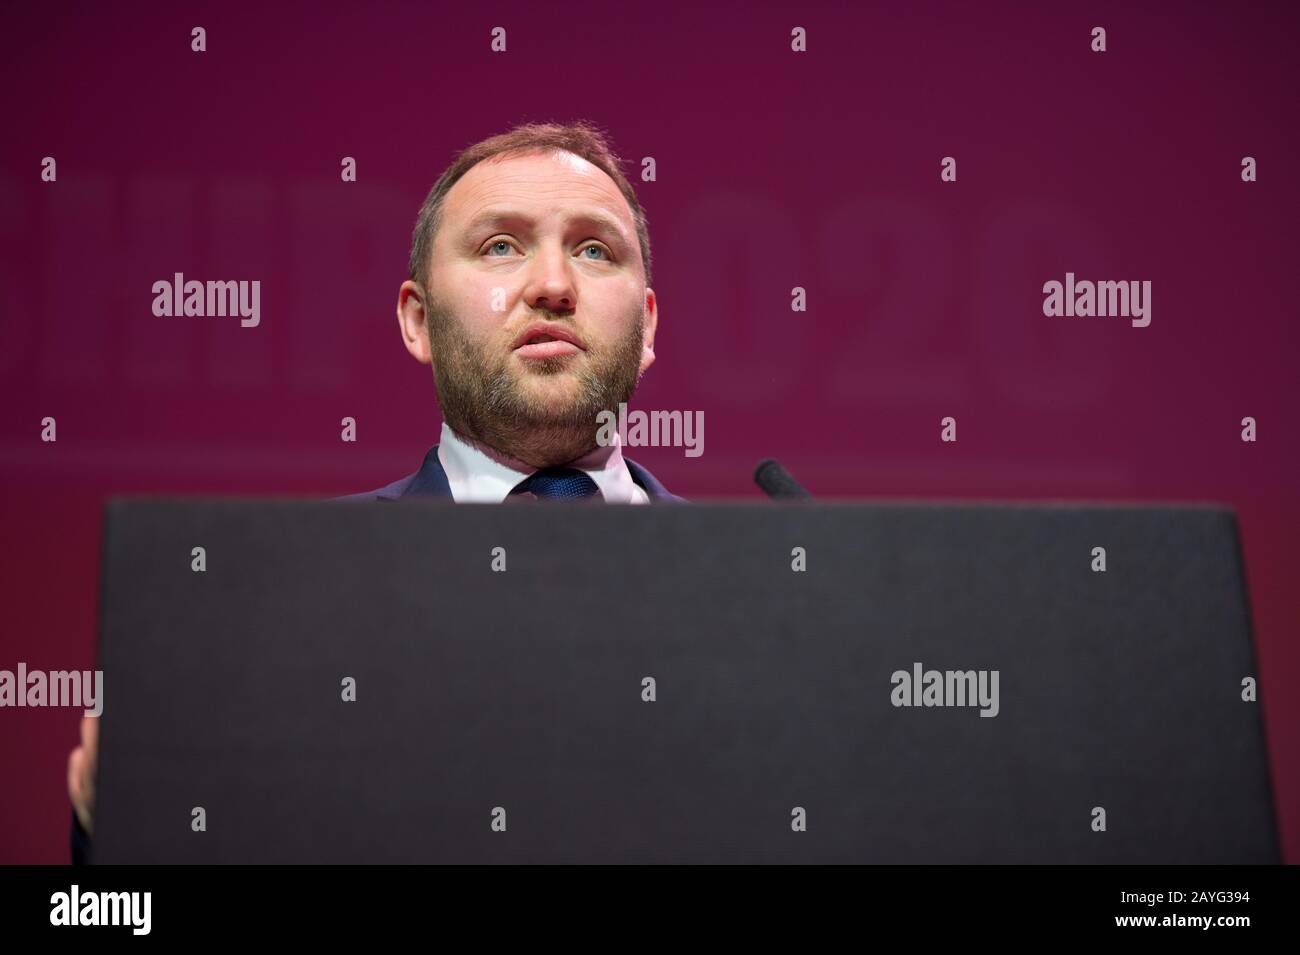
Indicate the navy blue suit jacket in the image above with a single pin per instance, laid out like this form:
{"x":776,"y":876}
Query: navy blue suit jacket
{"x":430,"y":480}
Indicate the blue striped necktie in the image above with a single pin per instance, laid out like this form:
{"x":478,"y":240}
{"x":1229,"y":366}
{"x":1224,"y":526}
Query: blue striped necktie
{"x":558,"y":484}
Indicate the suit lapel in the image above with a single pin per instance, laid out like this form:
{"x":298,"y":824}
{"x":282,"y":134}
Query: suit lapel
{"x":431,"y":480}
{"x":650,"y":484}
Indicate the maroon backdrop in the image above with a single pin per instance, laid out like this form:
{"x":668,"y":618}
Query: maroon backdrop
{"x":775,"y":169}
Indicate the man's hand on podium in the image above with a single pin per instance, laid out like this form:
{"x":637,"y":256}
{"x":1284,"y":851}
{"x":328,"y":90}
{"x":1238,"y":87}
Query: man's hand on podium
{"x":81,"y":773}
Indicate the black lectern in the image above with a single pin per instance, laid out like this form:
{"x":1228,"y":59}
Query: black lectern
{"x":420,"y":681}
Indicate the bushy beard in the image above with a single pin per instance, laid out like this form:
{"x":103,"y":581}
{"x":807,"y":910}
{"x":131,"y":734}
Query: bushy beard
{"x":481,"y":395}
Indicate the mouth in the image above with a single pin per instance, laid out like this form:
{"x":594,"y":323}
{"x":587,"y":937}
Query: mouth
{"x":547,"y":340}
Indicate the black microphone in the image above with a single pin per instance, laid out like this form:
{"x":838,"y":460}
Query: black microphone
{"x":777,"y":482}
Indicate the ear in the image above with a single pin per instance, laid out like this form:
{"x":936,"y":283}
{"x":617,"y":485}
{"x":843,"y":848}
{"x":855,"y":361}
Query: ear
{"x":412,"y":316}
{"x":651,"y":323}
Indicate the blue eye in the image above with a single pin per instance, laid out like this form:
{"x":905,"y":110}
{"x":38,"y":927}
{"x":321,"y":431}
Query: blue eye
{"x":497,"y":243}
{"x":597,"y":248}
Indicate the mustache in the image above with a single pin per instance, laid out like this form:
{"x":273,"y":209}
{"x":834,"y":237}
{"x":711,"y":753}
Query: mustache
{"x":544,"y":315}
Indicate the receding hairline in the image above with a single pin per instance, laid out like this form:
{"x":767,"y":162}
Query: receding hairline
{"x":523,"y":152}
{"x":581,"y":140}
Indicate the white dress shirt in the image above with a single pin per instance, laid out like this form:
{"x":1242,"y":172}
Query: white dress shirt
{"x":478,"y":474}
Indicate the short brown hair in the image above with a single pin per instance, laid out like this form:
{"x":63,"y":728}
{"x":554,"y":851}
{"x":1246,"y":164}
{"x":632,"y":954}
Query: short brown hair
{"x":580,"y":138}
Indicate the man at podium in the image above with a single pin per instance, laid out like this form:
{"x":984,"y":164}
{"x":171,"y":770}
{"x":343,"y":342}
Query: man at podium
{"x":529,"y":296}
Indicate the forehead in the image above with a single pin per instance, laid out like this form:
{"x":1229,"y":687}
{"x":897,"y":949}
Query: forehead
{"x":539,"y":184}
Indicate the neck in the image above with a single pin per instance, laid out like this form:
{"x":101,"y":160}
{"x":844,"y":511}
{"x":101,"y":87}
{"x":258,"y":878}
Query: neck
{"x":532,"y":448}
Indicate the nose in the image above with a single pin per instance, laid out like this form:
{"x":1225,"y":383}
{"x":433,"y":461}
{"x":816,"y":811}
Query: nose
{"x":550,"y":281}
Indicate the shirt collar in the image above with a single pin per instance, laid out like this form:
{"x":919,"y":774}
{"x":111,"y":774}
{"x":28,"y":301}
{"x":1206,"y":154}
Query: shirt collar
{"x":479,"y":474}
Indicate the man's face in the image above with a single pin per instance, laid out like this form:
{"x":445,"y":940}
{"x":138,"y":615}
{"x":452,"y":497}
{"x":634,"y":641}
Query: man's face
{"x":537,"y":316}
